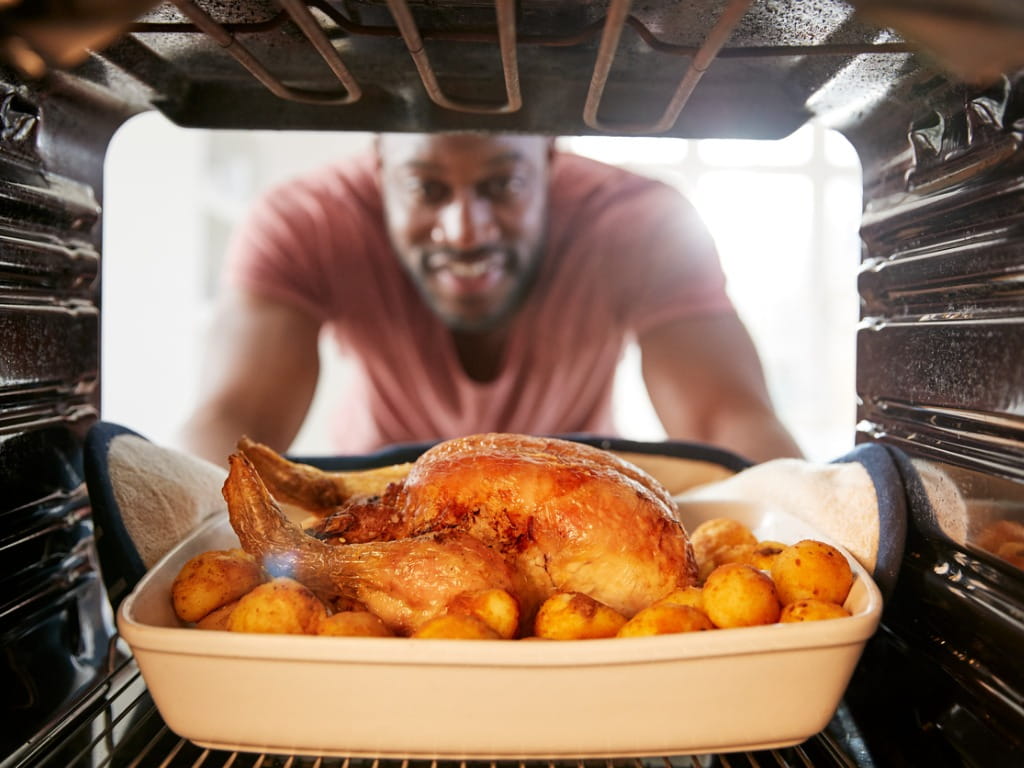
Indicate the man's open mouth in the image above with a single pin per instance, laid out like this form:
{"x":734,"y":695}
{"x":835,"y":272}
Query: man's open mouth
{"x":465,"y":274}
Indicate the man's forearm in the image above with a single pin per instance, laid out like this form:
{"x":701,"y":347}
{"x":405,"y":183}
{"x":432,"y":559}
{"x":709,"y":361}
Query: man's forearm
{"x":757,"y":437}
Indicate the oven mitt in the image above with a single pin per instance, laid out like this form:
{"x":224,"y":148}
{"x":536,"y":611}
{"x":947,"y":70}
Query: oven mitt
{"x":145,"y":499}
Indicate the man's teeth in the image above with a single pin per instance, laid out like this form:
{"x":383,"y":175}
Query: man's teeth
{"x":468,"y":269}
{"x":464,"y":268}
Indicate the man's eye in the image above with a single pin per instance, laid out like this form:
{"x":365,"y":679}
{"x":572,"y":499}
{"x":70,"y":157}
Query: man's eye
{"x":501,"y":187}
{"x":428,"y":191}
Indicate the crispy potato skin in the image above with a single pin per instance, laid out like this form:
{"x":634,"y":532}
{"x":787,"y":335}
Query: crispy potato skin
{"x":763,"y":555}
{"x":279,"y":606}
{"x":760,"y":555}
{"x":739,"y":595}
{"x":456,"y":626}
{"x":811,"y":610}
{"x":713,"y":538}
{"x":666,"y":619}
{"x":575,"y":616}
{"x":213,"y":579}
{"x":353,"y":624}
{"x":812,"y":569}
{"x":217,"y":619}
{"x":496,"y":608}
{"x":691,"y":596}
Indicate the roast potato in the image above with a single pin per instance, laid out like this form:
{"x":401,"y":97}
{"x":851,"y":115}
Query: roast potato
{"x":353,"y":624}
{"x":811,"y":569}
{"x":279,"y":606}
{"x":764,"y":554}
{"x":691,"y":596}
{"x":712,"y":537}
{"x":665,"y":619}
{"x":494,"y":607}
{"x":213,"y":579}
{"x":760,"y":555}
{"x":811,"y":610}
{"x":217,"y":619}
{"x":739,"y":595}
{"x":575,"y":616}
{"x":456,"y":626}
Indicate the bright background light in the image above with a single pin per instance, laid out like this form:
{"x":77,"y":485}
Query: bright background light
{"x":784,"y":216}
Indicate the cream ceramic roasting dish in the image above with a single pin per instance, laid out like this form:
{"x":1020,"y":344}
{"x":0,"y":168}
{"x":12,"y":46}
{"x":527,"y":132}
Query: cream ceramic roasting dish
{"x":724,"y":690}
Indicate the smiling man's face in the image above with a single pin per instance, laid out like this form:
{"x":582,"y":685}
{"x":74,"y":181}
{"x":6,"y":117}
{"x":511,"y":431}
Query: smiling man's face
{"x":466,"y":214}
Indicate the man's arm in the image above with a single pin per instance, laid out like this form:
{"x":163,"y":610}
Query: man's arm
{"x":259,"y":377}
{"x":706,"y":384}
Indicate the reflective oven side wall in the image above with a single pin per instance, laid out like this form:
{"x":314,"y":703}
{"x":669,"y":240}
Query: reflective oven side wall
{"x":940,"y":375}
{"x":55,"y":620}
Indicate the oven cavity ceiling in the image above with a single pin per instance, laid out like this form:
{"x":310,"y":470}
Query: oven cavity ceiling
{"x":686,"y":68}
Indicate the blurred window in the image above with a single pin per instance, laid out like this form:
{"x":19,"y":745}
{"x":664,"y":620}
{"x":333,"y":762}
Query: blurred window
{"x":785,"y":217}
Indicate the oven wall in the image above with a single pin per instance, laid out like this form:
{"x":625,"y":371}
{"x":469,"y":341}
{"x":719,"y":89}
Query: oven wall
{"x":940,"y":375}
{"x":55,"y":620}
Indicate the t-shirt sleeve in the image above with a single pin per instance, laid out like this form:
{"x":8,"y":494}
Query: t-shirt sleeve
{"x":276,"y":251}
{"x":665,"y":263}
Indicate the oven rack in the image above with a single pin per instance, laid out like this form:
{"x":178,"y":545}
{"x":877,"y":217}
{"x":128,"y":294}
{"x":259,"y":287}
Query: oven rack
{"x":118,"y":726}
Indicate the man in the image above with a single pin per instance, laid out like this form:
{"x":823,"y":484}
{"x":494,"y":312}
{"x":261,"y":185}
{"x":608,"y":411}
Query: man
{"x":482,"y":283}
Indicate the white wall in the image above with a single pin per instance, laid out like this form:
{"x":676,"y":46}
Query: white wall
{"x":784,"y":215}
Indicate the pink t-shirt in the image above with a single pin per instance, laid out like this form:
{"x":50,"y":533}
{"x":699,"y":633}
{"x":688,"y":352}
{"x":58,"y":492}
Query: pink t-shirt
{"x":616,"y":264}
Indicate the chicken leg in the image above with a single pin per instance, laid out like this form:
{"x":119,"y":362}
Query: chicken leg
{"x":405,"y":582}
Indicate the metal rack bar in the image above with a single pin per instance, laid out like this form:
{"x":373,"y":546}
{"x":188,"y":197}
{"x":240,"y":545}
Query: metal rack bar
{"x":302,"y":16}
{"x":582,"y":35}
{"x":505,"y":10}
{"x":618,"y":13}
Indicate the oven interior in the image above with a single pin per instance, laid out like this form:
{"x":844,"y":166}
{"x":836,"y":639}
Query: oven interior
{"x":931,"y":96}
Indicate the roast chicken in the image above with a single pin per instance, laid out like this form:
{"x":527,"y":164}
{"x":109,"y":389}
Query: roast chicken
{"x":530,"y":515}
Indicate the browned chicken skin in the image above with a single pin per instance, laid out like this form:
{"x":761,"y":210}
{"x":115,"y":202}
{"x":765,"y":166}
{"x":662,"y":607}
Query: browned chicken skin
{"x":403,"y":581}
{"x":530,"y":515}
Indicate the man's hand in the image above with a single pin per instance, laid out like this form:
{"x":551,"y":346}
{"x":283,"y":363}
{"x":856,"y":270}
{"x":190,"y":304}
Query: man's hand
{"x":706,"y":384}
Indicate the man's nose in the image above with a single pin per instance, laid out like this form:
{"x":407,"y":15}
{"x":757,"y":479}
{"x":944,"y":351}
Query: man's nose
{"x":466,"y":222}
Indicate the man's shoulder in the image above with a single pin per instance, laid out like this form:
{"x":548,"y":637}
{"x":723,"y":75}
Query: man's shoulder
{"x":348,"y":181}
{"x":576,"y":178}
